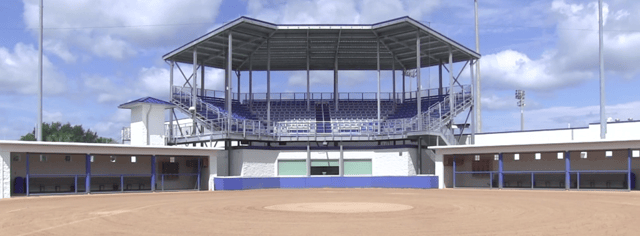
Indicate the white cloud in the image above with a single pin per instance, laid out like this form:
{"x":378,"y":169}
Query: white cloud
{"x":118,"y":29}
{"x":19,"y":72}
{"x":337,"y":11}
{"x":560,"y":116}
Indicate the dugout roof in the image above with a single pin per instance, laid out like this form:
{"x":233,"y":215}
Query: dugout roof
{"x":353,"y":45}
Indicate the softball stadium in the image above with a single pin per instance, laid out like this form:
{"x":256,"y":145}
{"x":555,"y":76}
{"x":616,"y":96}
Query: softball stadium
{"x":232,"y":162}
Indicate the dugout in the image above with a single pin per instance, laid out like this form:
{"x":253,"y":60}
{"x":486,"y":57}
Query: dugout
{"x":41,"y":168}
{"x":596,"y":165}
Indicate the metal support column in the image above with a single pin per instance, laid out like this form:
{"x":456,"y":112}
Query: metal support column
{"x":194,"y":90}
{"x":202,"y":91}
{"x":87,"y":180}
{"x":603,"y":121}
{"x":308,"y":160}
{"x":171,"y":64}
{"x":404,"y":72}
{"x":341,"y":161}
{"x":268,"y":83}
{"x":153,"y":173}
{"x":199,"y":172}
{"x":418,"y":80}
{"x":454,"y":171}
{"x":473,"y":108}
{"x":629,"y":170}
{"x":378,"y":95}
{"x":40,"y":49}
{"x":308,"y":77}
{"x":567,"y":170}
{"x":27,"y":174}
{"x":451,"y":92}
{"x":335,"y":84}
{"x":229,"y":88}
{"x":440,"y":79}
{"x":239,"y":75}
{"x":251,"y":82}
{"x":419,"y":156}
{"x":500,"y":169}
{"x":393,"y":78}
{"x":478,"y":103}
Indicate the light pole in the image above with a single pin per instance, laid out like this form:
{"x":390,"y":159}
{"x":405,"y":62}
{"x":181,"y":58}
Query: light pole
{"x":520,"y":97}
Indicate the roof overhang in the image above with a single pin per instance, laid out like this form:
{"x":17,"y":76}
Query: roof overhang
{"x":354,"y":46}
{"x":536,"y":147}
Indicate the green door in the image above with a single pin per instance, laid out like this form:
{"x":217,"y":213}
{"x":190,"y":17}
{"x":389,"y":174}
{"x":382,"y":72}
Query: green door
{"x":357,"y":167}
{"x":292,"y":167}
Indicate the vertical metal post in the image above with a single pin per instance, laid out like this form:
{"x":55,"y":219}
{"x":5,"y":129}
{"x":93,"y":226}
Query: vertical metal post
{"x":171,"y":64}
{"x":454,"y":171}
{"x":418,"y":80}
{"x":532,"y":182}
{"x":440,"y":79}
{"x":27,"y":174}
{"x":202,"y":91}
{"x":378,"y":94}
{"x":308,"y":160}
{"x":87,"y":180}
{"x":39,"y":125}
{"x":239,"y":92}
{"x":473,"y":108}
{"x":451,"y":91}
{"x":229,"y":89}
{"x":335,"y":84}
{"x":578,"y":178}
{"x":75,"y":185}
{"x":341,"y":161}
{"x":199,"y":172}
{"x":153,"y":173}
{"x":603,"y":121}
{"x":567,"y":170}
{"x":194,"y":90}
{"x":121,"y":183}
{"x":500,"y":171}
{"x":419,"y":156}
{"x":162,"y":182}
{"x":268,"y":83}
{"x":478,"y":103}
{"x":393,"y":78}
{"x":404,"y":72}
{"x":308,"y":77}
{"x":251,"y":81}
{"x":629,"y":170}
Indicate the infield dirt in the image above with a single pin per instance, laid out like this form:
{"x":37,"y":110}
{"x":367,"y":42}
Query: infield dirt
{"x":327,"y":212}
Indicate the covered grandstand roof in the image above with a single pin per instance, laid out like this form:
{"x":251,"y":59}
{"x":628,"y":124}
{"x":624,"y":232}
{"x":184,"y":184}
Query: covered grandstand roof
{"x":145,"y":100}
{"x":354,"y":45}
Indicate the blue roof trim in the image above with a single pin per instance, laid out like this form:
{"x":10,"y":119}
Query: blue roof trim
{"x":147,"y":100}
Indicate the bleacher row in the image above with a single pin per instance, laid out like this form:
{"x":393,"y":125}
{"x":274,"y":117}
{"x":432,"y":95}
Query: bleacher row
{"x":297,"y":110}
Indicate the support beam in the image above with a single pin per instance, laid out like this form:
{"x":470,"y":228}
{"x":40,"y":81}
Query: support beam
{"x":171,"y":64}
{"x":418,"y":80}
{"x":194,"y":90}
{"x":268,"y":83}
{"x":308,"y":74}
{"x":153,"y":173}
{"x":199,"y":172}
{"x":419,"y":156}
{"x":87,"y":180}
{"x":251,"y":83}
{"x":335,"y":83}
{"x":238,"y":74}
{"x":629,"y":170}
{"x":308,"y":160}
{"x":378,"y":95}
{"x":393,"y":78}
{"x":603,"y":119}
{"x":451,"y":92}
{"x":454,"y":171}
{"x":229,"y":88}
{"x":478,"y":102}
{"x":27,"y":173}
{"x":341,"y":161}
{"x":202,"y":91}
{"x":440,"y":79}
{"x":404,"y":73}
{"x":567,"y":170}
{"x":500,"y":170}
{"x":473,"y":107}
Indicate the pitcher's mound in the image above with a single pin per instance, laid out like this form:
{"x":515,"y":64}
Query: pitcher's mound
{"x":340,"y":207}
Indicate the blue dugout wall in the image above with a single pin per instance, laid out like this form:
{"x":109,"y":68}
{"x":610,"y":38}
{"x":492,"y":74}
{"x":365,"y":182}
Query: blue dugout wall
{"x":420,"y":182}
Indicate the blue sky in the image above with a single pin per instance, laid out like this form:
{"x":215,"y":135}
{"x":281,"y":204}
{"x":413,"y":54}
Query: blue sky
{"x":101,"y":53}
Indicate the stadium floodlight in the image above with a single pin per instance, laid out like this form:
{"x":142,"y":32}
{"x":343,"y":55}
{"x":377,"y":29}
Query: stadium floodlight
{"x":520,"y":97}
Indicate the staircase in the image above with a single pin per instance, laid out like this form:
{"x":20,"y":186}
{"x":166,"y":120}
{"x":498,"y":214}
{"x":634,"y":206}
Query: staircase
{"x":439,"y":115}
{"x":323,"y":118}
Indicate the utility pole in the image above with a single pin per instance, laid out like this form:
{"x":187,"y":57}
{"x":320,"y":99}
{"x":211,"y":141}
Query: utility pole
{"x":478,"y":101}
{"x":603,"y":121}
{"x":39,"y":125}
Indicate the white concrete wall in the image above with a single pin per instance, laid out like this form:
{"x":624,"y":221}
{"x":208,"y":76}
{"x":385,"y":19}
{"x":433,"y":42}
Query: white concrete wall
{"x":217,"y":167}
{"x":147,"y":125}
{"x":388,"y":162}
{"x":615,"y":131}
{"x":5,"y":174}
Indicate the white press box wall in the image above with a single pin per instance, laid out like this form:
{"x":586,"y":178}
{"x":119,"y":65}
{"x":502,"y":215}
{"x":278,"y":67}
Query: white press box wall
{"x":385,"y":162}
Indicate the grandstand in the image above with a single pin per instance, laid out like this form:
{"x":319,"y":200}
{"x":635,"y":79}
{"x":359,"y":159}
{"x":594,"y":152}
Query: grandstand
{"x":249,"y":45}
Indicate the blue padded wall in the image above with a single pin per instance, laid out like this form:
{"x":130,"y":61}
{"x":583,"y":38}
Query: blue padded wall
{"x":423,"y":182}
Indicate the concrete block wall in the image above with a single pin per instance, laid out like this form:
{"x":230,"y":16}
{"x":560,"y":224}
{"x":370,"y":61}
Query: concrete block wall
{"x":5,"y":174}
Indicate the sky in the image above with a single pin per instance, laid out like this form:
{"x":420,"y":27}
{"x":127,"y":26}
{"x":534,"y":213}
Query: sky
{"x":102,"y":53}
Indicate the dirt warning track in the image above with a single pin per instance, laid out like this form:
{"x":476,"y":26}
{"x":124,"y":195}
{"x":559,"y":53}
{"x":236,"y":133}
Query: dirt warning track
{"x":327,"y":212}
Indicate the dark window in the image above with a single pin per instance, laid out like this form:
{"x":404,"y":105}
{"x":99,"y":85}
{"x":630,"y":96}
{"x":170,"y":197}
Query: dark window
{"x":170,"y":170}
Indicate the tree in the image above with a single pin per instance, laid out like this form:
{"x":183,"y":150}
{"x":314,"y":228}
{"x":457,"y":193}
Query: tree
{"x":57,"y":132}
